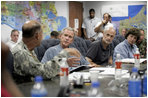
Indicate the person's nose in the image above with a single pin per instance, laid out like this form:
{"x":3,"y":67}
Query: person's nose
{"x":108,"y":37}
{"x":67,"y":37}
{"x":132,"y":38}
{"x":105,"y":18}
{"x":16,"y":37}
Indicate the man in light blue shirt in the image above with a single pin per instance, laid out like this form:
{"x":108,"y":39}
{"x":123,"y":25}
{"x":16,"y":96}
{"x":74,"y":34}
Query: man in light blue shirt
{"x":66,"y":38}
{"x":127,"y":48}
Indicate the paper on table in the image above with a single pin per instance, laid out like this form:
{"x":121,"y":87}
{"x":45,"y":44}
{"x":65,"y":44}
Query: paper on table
{"x":110,"y":71}
{"x":74,"y":75}
{"x":104,"y":71}
{"x":133,"y":60}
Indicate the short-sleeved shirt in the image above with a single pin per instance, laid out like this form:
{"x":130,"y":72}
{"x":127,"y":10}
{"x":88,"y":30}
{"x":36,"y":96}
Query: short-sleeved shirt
{"x":89,"y":25}
{"x":11,"y":44}
{"x":103,"y":27}
{"x":98,"y":54}
{"x":55,"y":50}
{"x":125,"y":50}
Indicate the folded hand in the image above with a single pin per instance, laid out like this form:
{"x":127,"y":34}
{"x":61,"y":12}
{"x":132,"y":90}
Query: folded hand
{"x":75,"y":57}
{"x":73,"y":61}
{"x":73,"y":52}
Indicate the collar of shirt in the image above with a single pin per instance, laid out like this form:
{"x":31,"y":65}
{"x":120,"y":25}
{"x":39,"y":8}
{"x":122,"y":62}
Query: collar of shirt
{"x":25,"y":46}
{"x":129,"y":45}
{"x":92,"y":18}
{"x":108,"y":23}
{"x":12,"y":42}
{"x":59,"y":46}
{"x":32,"y":53}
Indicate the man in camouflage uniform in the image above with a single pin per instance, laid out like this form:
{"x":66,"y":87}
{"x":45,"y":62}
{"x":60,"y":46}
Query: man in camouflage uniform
{"x":142,"y":44}
{"x":26,"y":63}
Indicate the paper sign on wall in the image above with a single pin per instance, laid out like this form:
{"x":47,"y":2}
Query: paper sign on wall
{"x":76,"y":23}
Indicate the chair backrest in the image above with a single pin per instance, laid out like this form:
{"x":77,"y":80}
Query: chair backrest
{"x":118,"y":39}
{"x":45,"y":44}
{"x":10,"y":63}
{"x":81,"y":44}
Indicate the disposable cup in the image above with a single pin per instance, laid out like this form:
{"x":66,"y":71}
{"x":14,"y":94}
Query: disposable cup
{"x":94,"y":75}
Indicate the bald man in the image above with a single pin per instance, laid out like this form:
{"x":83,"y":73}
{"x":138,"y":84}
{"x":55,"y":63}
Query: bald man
{"x":26,"y":64}
{"x":100,"y":52}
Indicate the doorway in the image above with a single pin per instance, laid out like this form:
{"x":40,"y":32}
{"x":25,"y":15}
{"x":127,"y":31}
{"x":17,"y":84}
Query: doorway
{"x":76,"y":15}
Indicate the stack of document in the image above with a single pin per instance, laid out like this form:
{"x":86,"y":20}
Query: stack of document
{"x":110,"y":71}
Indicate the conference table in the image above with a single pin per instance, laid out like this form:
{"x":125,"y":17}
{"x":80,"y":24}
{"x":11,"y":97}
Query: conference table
{"x":53,"y":86}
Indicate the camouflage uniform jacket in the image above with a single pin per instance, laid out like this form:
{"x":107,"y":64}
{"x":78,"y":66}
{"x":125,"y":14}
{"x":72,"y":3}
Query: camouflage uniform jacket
{"x":27,"y":64}
{"x":142,"y":48}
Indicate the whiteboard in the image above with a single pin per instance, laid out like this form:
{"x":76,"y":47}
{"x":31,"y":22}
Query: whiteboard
{"x":115,"y":10}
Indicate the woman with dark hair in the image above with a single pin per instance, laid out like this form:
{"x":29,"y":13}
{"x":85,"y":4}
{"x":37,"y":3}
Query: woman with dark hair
{"x":127,"y":48}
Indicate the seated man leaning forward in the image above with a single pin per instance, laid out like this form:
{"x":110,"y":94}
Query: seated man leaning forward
{"x":25,"y":60}
{"x":127,"y":48}
{"x":66,"y":38}
{"x":100,"y":52}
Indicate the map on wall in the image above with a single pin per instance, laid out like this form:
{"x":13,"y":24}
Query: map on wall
{"x":130,"y":16}
{"x":16,"y":13}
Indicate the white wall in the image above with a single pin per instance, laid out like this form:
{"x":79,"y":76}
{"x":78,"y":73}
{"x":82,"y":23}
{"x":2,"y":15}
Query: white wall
{"x":97,"y":5}
{"x":5,"y":33}
{"x":63,"y":9}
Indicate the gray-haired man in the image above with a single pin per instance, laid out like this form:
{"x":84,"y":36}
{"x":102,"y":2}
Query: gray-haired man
{"x":100,"y":52}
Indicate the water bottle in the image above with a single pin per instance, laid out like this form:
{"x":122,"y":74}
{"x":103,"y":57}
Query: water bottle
{"x":38,"y":89}
{"x":118,"y":67}
{"x":64,"y":73}
{"x":134,"y":84}
{"x":144,"y":89}
{"x":95,"y":90}
{"x":137,"y":58}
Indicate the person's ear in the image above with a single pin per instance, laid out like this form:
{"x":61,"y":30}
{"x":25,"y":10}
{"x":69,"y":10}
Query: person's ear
{"x":60,"y":36}
{"x":73,"y":39}
{"x":37,"y":36}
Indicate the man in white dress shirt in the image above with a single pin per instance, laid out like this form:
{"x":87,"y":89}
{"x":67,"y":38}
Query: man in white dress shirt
{"x":14,"y":38}
{"x":99,"y":28}
{"x":89,"y":24}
